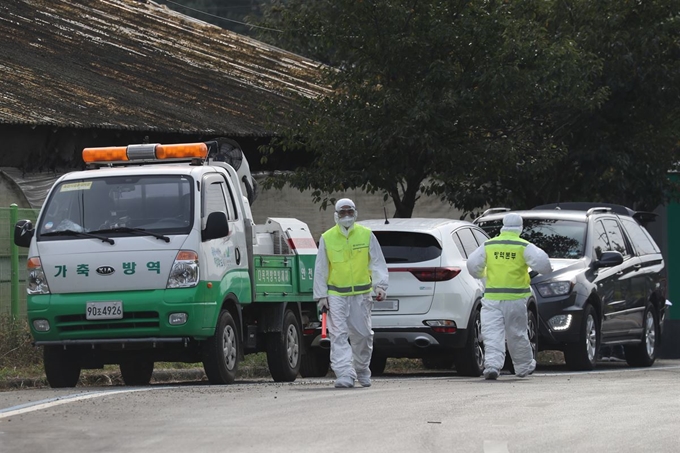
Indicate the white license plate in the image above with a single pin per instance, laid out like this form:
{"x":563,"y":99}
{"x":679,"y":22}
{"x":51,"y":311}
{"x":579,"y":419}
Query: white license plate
{"x":104,"y":310}
{"x":386,"y":305}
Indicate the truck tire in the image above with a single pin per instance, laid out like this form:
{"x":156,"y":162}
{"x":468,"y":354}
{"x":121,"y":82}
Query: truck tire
{"x":315,"y":363}
{"x":284,"y":349}
{"x":136,"y":372}
{"x":222,"y":351}
{"x":61,"y":366}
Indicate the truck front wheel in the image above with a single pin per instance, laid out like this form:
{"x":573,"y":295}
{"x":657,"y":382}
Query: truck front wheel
{"x":136,"y":372}
{"x":221,"y":351}
{"x":61,"y":366}
{"x":284,"y":350}
{"x":315,"y":363}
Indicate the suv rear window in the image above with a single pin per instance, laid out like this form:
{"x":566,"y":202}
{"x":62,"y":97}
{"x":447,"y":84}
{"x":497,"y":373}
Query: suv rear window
{"x":558,"y":238}
{"x":405,"y":247}
{"x":640,"y":237}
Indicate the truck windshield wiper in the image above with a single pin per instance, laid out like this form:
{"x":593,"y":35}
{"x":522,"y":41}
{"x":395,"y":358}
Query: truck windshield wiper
{"x":134,"y":230}
{"x":78,"y":233}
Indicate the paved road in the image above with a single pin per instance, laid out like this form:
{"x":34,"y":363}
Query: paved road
{"x":616,"y":409}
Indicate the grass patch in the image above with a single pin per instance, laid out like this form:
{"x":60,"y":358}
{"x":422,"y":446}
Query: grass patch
{"x":16,"y":349}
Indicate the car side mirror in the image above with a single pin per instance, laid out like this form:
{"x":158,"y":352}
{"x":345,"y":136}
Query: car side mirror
{"x":23,"y":233}
{"x":609,"y":259}
{"x":216,"y":226}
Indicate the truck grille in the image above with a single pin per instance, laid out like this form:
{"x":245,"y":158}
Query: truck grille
{"x":131,"y":320}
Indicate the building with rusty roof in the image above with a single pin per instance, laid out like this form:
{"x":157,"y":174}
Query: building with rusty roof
{"x":77,"y":73}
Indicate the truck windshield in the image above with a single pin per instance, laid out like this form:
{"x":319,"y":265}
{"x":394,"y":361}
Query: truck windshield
{"x":160,"y":204}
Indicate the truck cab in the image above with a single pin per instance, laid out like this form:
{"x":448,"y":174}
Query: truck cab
{"x":151,"y":254}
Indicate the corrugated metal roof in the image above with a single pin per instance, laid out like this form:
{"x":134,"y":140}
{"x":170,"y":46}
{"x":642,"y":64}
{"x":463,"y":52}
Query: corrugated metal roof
{"x":138,"y":65}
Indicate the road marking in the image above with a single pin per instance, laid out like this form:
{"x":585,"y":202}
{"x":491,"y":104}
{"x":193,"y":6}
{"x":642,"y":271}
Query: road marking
{"x":51,"y":402}
{"x":495,"y":446}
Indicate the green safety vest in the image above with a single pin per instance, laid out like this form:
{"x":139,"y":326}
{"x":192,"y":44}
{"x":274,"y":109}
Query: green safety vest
{"x":507,"y":274}
{"x":348,"y":261}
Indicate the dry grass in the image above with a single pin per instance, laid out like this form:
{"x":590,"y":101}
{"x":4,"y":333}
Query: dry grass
{"x":17,"y":354}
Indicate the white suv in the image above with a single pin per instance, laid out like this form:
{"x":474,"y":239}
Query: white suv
{"x":432,"y":310}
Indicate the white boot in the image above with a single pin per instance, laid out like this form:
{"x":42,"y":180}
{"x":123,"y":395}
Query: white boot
{"x":344,"y":382}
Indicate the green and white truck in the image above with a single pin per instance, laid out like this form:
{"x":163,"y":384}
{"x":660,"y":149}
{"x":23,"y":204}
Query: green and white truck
{"x":151,"y":255}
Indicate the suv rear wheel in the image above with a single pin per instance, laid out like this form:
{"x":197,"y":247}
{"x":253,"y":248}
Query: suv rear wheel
{"x":469,"y":361}
{"x":644,"y":354}
{"x":581,"y":356}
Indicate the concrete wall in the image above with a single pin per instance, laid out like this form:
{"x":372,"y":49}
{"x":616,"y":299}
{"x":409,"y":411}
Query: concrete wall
{"x":293,"y":203}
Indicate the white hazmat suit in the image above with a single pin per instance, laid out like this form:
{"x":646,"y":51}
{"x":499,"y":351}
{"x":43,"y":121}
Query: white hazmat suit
{"x":507,"y":319}
{"x":349,"y":317}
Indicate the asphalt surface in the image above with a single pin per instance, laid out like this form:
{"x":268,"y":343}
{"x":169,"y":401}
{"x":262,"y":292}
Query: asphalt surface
{"x":616,"y":409}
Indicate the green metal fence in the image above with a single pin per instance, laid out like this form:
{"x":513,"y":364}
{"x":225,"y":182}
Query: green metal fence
{"x":13,"y":262}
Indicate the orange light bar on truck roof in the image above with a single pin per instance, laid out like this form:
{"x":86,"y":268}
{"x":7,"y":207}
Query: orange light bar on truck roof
{"x":182,"y":150}
{"x":109,"y":154}
{"x":145,"y":152}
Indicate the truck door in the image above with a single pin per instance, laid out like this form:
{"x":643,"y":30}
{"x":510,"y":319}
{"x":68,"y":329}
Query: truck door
{"x":225,"y":257}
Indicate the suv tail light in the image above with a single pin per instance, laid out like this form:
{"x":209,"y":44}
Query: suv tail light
{"x":430,"y":274}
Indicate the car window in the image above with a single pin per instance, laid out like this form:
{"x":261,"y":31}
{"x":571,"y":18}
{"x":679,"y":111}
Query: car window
{"x":481,"y":237}
{"x":615,"y":235}
{"x":459,"y":244}
{"x":408,"y":247}
{"x":214,"y":199}
{"x":600,"y":239}
{"x":558,"y":238}
{"x":641,"y":241}
{"x":467,"y":240}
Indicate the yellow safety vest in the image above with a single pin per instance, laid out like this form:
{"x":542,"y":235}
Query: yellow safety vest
{"x":507,"y":274}
{"x":348,"y":261}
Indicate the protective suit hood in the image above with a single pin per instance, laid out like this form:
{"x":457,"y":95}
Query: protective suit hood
{"x":345,"y":213}
{"x":512,"y":223}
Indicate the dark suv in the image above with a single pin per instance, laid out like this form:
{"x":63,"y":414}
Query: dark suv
{"x":608,"y":283}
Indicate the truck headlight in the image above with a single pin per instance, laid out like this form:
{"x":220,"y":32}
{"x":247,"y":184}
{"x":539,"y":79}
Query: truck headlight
{"x":36,"y":283}
{"x":554,"y":289}
{"x":185,"y":270}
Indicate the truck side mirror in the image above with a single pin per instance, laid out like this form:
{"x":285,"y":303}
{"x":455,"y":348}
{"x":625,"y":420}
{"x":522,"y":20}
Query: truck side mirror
{"x":216,"y":226}
{"x":23,"y":233}
{"x":608,"y":259}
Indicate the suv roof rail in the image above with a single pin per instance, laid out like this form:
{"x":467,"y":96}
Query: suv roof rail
{"x":598,"y":210}
{"x":643,"y":217}
{"x":586,"y":205}
{"x":493,"y":210}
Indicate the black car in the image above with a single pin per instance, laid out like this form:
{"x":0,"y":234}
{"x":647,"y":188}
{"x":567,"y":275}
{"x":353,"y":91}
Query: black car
{"x":608,"y":285}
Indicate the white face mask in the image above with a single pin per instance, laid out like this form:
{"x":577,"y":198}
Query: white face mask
{"x":346,"y":222}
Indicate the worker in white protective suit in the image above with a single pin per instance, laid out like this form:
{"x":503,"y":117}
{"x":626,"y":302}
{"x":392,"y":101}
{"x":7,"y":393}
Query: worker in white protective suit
{"x":504,"y":261}
{"x":350,"y":266}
